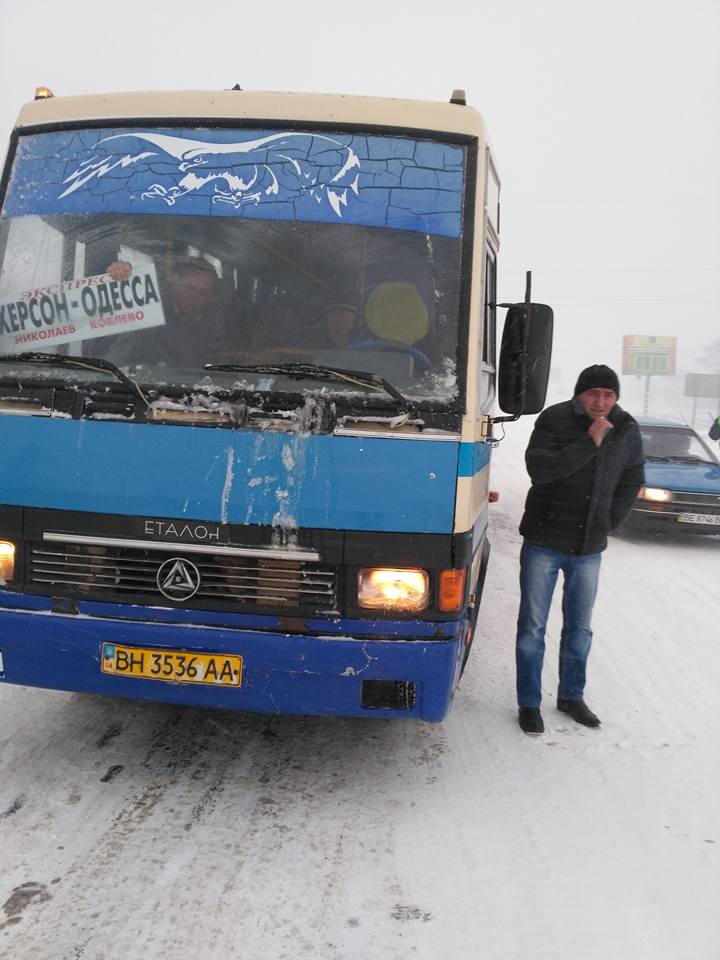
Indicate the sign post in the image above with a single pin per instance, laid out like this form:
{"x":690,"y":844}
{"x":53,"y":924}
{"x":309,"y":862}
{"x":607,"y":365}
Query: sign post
{"x":648,"y":357}
{"x":705,"y":385}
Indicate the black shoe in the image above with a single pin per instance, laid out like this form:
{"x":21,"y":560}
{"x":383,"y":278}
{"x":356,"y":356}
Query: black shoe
{"x":530,"y":720}
{"x":579,"y":711}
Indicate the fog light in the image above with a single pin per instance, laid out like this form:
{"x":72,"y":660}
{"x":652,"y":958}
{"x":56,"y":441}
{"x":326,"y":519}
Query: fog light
{"x":385,"y":588}
{"x":656,"y":494}
{"x":7,"y":560}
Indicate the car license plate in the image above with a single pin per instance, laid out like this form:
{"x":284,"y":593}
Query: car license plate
{"x":711,"y":518}
{"x":173,"y":666}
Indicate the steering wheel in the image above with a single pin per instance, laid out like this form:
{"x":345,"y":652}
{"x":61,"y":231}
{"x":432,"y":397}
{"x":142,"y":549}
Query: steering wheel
{"x":394,"y":346}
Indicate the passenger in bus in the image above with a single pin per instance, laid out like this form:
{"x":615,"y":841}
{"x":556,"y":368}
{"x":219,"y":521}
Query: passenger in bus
{"x":394,"y":319}
{"x":194,"y":330}
{"x":340,"y":326}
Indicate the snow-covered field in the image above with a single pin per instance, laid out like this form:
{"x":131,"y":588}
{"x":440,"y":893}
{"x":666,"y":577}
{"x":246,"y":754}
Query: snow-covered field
{"x":134,"y":830}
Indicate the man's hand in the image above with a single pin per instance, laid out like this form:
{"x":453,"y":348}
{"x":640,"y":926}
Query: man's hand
{"x":119,"y":270}
{"x":599,"y":429}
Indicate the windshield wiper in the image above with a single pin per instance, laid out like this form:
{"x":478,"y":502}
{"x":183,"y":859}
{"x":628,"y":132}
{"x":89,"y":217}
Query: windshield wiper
{"x":681,"y":458}
{"x":688,"y":458}
{"x":309,"y":371}
{"x":95,"y":364}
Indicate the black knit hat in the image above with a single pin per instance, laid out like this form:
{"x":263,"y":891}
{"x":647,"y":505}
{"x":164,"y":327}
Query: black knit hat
{"x":598,"y":375}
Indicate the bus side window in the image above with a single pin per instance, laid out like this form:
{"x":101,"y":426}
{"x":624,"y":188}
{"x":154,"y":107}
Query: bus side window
{"x":488,"y":353}
{"x":487,"y":386}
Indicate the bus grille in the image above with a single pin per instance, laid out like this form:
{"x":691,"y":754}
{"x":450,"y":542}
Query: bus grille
{"x":123,"y":573}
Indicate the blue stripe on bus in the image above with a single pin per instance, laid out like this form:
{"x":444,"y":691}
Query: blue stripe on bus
{"x":231,"y":476}
{"x":473,"y":458}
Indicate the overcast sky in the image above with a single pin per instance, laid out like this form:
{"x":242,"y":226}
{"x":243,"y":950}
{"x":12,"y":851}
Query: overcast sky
{"x":604,"y":119}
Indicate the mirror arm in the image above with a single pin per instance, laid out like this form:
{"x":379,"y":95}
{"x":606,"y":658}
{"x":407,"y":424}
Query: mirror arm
{"x":526,"y":337}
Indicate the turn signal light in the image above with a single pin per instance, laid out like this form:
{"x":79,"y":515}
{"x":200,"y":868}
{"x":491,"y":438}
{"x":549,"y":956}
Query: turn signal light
{"x":452,"y":590}
{"x":387,"y":588}
{"x":7,"y":560}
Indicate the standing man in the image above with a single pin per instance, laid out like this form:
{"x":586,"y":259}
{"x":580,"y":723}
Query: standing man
{"x":585,"y":461}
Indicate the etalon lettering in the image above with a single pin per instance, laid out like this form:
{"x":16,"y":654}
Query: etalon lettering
{"x":178,"y":531}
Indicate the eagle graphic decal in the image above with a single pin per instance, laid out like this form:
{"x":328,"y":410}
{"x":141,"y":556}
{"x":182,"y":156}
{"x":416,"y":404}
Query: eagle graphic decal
{"x":277,"y":167}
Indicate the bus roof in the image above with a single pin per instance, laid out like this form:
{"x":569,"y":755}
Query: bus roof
{"x":251,"y":105}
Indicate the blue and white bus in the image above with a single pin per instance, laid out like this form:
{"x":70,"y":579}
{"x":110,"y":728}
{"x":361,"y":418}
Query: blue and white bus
{"x":247,"y":375}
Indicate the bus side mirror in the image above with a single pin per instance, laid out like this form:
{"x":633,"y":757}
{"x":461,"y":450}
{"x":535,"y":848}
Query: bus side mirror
{"x":525,"y":358}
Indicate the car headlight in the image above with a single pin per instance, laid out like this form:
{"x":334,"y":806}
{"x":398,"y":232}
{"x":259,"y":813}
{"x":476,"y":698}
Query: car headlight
{"x":7,"y":560}
{"x":656,"y":494}
{"x":387,"y":588}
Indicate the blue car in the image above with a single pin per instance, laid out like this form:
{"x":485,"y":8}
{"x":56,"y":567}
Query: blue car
{"x":682,"y":480}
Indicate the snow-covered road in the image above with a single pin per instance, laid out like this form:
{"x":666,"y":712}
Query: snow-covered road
{"x":134,"y":830}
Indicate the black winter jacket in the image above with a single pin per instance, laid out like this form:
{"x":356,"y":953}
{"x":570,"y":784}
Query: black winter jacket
{"x":580,"y":491}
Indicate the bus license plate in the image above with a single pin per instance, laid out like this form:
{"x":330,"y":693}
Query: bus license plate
{"x":173,"y":666}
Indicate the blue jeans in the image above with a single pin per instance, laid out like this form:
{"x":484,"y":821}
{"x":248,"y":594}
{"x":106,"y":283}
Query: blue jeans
{"x":539,"y":567}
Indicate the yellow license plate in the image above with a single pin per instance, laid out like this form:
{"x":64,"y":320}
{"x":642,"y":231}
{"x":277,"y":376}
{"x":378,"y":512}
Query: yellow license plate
{"x":173,"y":666}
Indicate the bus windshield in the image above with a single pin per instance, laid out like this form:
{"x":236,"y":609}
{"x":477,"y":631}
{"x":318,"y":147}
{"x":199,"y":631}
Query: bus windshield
{"x":163,"y":250}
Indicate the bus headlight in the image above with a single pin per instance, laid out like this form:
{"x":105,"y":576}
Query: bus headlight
{"x":7,"y":560}
{"x":656,"y":494}
{"x":387,"y":588}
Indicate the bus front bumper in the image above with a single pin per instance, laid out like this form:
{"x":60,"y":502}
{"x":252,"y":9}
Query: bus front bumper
{"x":281,"y":673}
